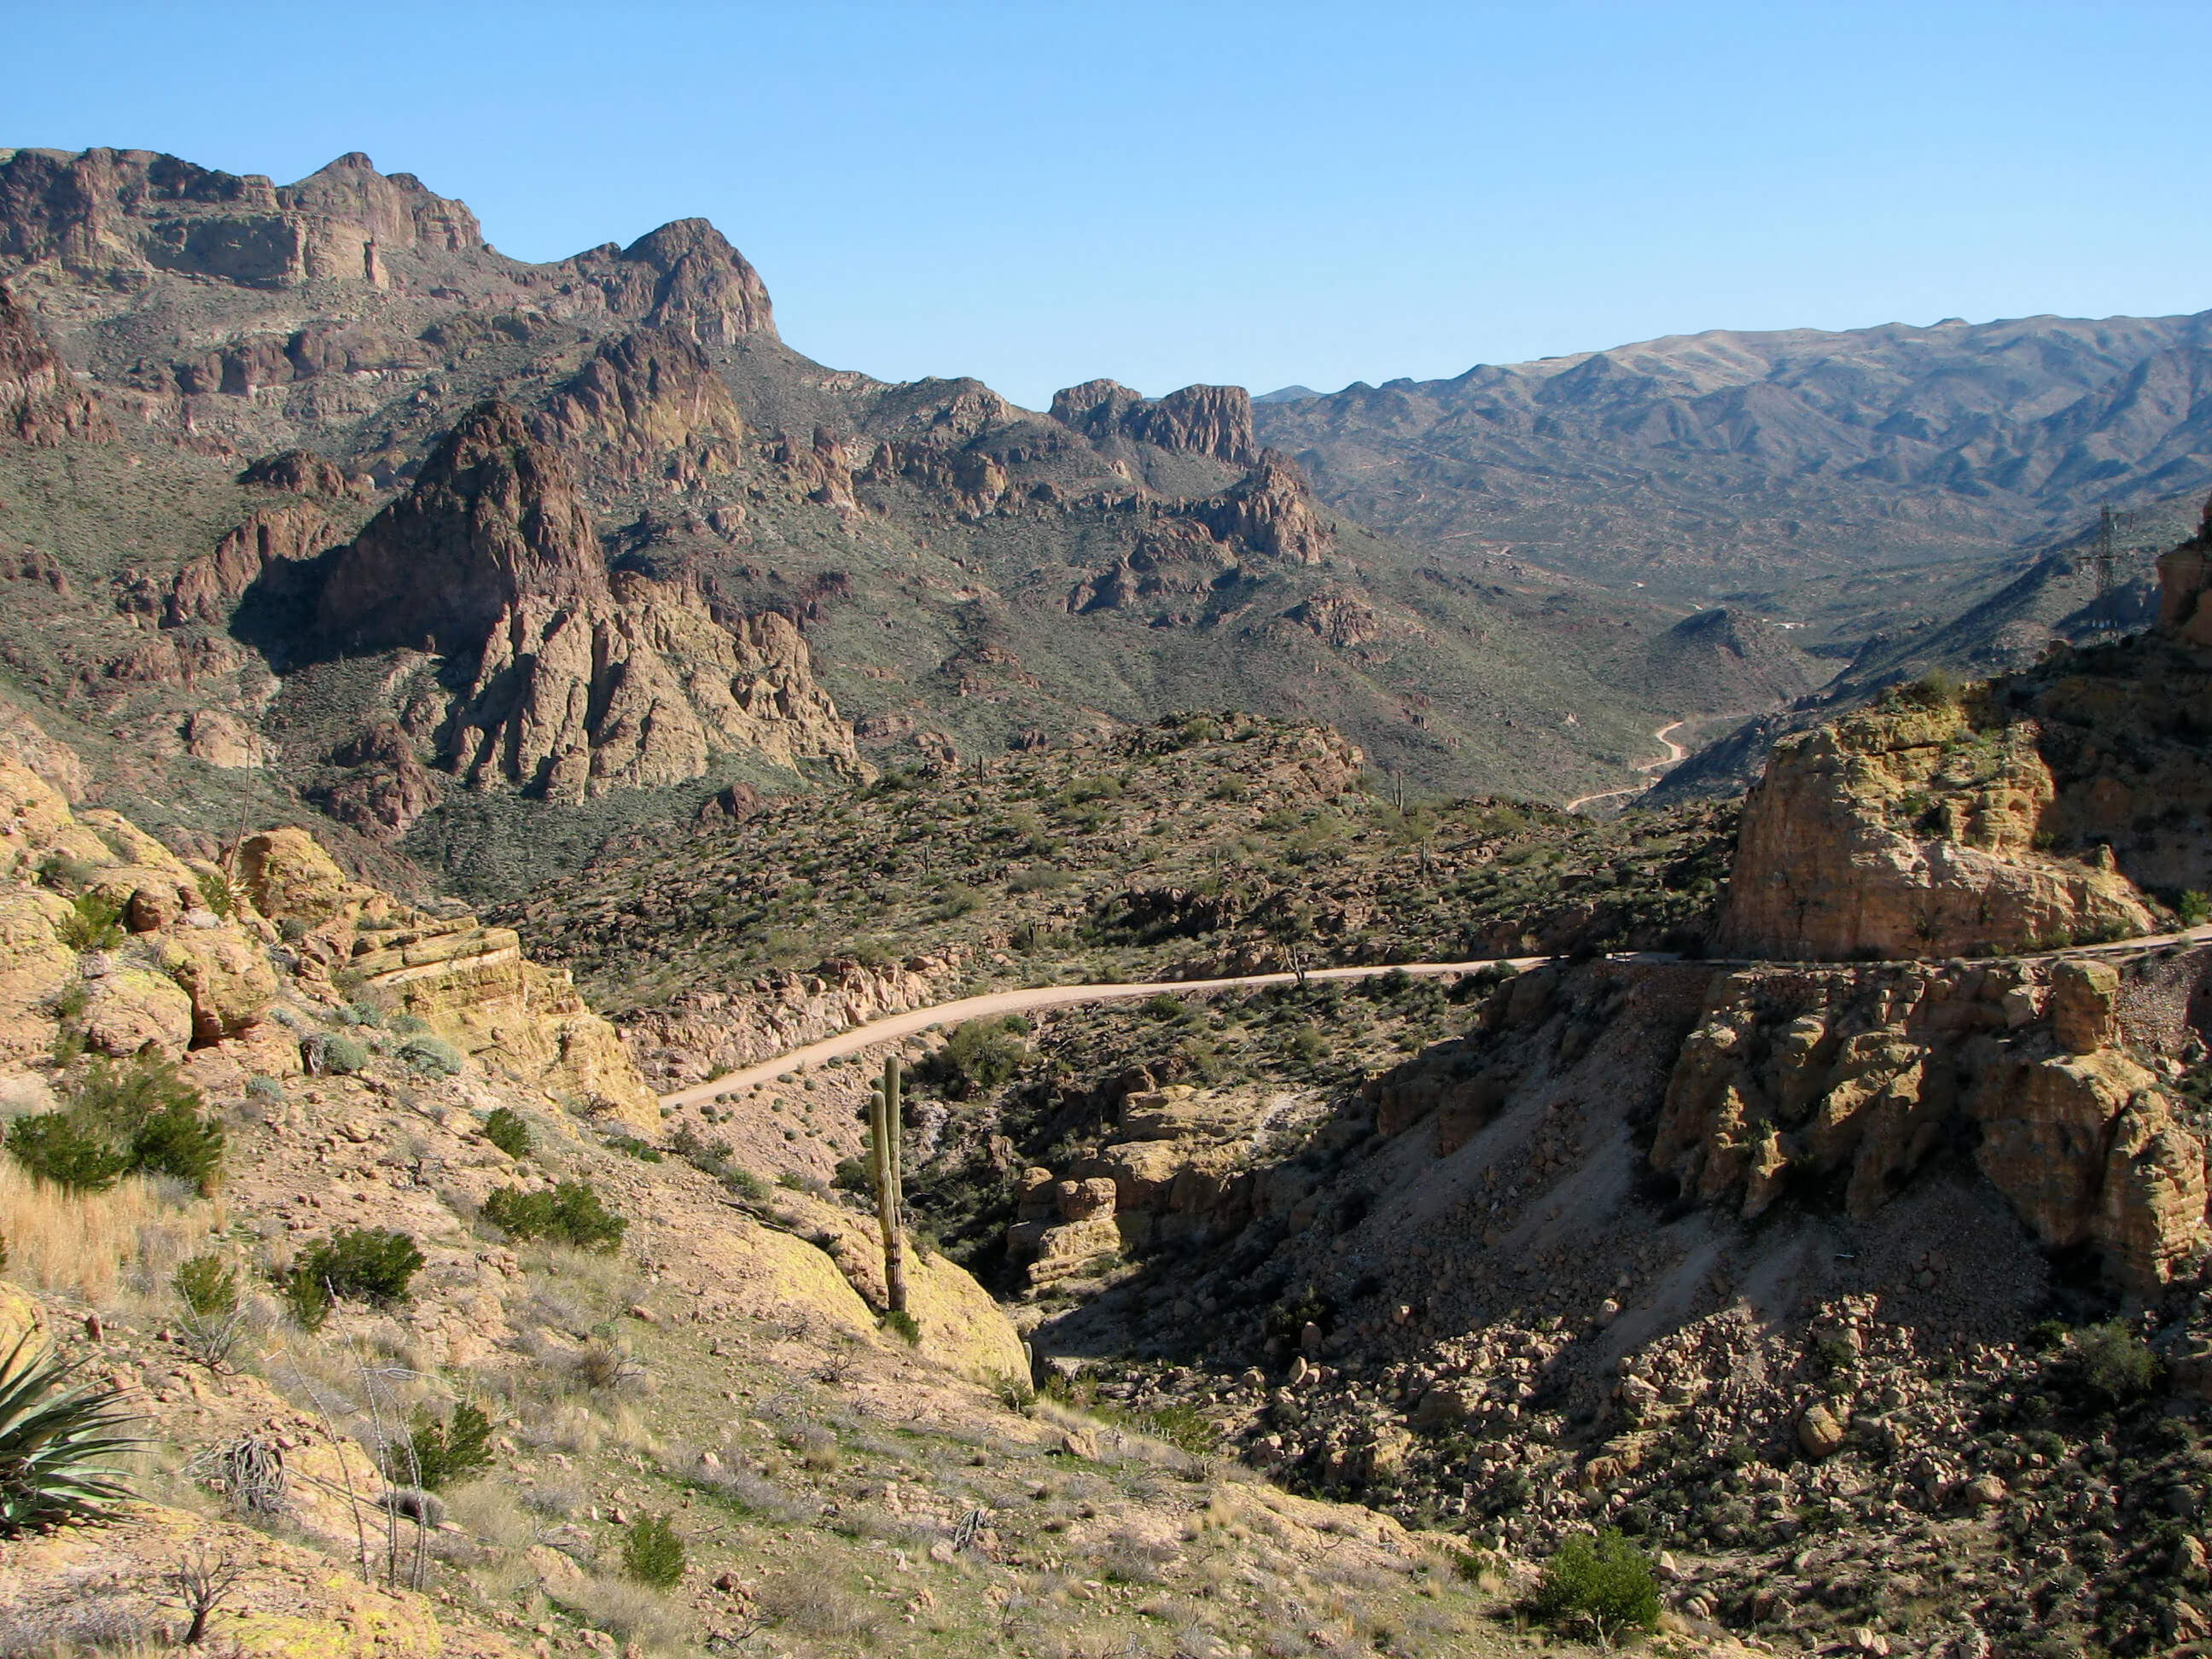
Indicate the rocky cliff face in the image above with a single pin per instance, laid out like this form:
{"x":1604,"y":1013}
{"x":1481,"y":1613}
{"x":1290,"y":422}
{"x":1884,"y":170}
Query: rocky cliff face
{"x":1792,"y":1078}
{"x":40,"y":401}
{"x":1199,"y":420}
{"x":120,"y":215}
{"x":582,"y":682}
{"x":1911,"y":830}
{"x":648,"y":406}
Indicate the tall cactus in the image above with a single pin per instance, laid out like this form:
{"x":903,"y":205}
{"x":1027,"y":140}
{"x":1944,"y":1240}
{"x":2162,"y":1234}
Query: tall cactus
{"x":885,"y":1122}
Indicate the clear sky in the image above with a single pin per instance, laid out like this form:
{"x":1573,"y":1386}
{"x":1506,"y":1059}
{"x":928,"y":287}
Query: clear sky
{"x":1037,"y":192}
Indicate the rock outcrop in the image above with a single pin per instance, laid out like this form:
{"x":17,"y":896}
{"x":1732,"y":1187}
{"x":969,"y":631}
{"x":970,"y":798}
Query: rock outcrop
{"x":119,"y":214}
{"x":303,"y":472}
{"x":646,"y":406}
{"x":582,"y":682}
{"x":1199,"y":420}
{"x":1911,"y":830}
{"x":208,"y":589}
{"x":165,"y":971}
{"x":1271,"y":510}
{"x":40,"y":401}
{"x":1797,"y":1077}
{"x":469,"y":982}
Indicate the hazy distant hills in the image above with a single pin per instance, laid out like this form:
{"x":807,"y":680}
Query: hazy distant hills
{"x":1707,"y":462}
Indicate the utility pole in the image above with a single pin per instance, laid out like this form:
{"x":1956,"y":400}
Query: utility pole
{"x":2105,"y":563}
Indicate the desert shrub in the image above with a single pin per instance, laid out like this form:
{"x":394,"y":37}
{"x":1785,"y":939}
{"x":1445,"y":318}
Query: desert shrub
{"x":206,"y":1285}
{"x":652,"y":1552}
{"x":265,"y":1089}
{"x":218,"y":892}
{"x":902,"y":1323}
{"x":506,"y":1130}
{"x":979,"y":1055}
{"x":571,"y":1214}
{"x":2100,"y":1367}
{"x":2195,"y":908}
{"x":815,"y":1604}
{"x":441,"y":1452}
{"x":851,"y":1176}
{"x":307,"y":1298}
{"x":432,"y":1056}
{"x":1605,"y":1582}
{"x":333,"y":1053}
{"x":367,"y":1264}
{"x":121,"y":1118}
{"x":93,"y":923}
{"x":53,"y":1148}
{"x":61,"y":1448}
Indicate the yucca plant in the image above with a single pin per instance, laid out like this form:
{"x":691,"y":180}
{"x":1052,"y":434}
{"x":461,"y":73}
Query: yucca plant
{"x":61,"y":1451}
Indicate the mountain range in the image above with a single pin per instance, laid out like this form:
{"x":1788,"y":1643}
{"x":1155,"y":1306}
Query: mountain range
{"x":321,"y":502}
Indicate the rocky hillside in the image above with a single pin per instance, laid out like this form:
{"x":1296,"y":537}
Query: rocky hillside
{"x":1830,"y":1286}
{"x":421,"y":1317}
{"x":1885,"y":445}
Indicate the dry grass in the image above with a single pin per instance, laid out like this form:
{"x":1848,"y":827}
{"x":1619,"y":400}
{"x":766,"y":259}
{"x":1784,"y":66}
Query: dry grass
{"x":817,"y":1605}
{"x":648,"y":1617}
{"x":92,"y":1246}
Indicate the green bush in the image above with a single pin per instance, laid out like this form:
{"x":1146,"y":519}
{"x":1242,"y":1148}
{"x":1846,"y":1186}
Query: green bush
{"x":570,"y":1214}
{"x":367,"y":1264}
{"x":2195,"y":908}
{"x":61,"y":1452}
{"x":506,"y":1130}
{"x":93,"y":923}
{"x":1605,"y":1582}
{"x":53,"y":1148}
{"x":307,"y":1298}
{"x":334,"y":1054}
{"x":652,"y":1552}
{"x":178,"y":1141}
{"x":979,"y":1057}
{"x":432,"y":1056}
{"x":121,"y":1118}
{"x":439,"y":1453}
{"x":2104,"y":1366}
{"x":207,"y":1284}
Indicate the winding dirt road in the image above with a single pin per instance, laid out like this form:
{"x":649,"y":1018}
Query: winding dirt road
{"x":1652,"y":768}
{"x":892,"y":1027}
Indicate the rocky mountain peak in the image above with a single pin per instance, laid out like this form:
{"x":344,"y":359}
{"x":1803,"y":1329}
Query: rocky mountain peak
{"x":1199,"y":420}
{"x":494,"y":515}
{"x":684,"y":277}
{"x":394,"y":210}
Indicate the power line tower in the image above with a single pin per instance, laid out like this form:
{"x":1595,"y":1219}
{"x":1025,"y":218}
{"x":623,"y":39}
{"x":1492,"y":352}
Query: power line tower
{"x":2105,"y":563}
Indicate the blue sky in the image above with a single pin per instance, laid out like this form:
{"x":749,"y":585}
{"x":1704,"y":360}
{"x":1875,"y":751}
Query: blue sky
{"x":1041,"y":192}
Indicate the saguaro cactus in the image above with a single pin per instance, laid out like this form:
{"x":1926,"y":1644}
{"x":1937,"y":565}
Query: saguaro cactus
{"x":883,"y":1127}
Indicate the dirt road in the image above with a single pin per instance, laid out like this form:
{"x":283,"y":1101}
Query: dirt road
{"x":1652,"y":768}
{"x":892,"y":1027}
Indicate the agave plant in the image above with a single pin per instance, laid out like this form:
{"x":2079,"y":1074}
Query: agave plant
{"x":60,"y":1450}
